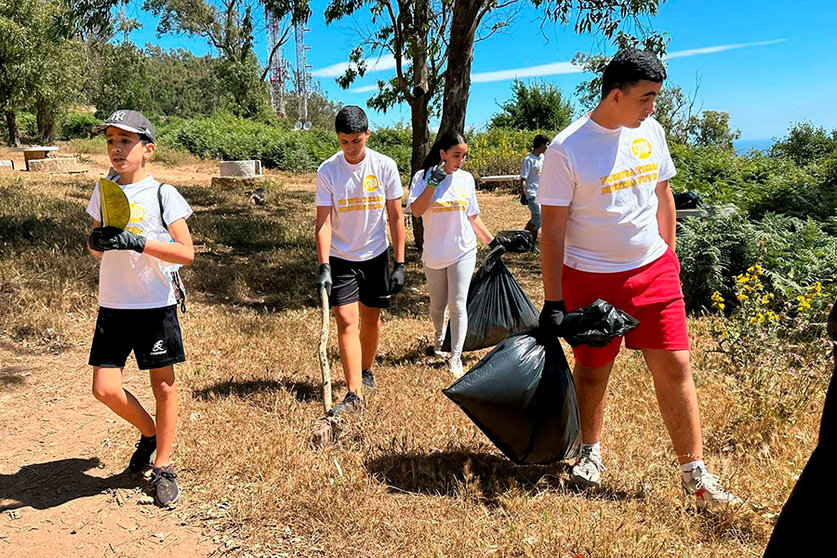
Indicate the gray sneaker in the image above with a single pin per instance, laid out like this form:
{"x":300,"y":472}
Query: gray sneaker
{"x":163,"y":480}
{"x":351,"y":401}
{"x":587,"y":471}
{"x":368,"y":379}
{"x":704,"y":486}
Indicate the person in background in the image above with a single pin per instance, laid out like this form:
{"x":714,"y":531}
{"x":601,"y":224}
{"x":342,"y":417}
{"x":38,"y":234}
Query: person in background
{"x":530,"y":177}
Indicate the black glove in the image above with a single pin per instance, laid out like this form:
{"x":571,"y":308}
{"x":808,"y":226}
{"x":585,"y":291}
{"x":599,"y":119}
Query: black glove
{"x":524,"y":200}
{"x":396,"y":278}
{"x":496,"y":247}
{"x":552,"y":317}
{"x":113,"y":238}
{"x":437,"y":176}
{"x":324,"y":280}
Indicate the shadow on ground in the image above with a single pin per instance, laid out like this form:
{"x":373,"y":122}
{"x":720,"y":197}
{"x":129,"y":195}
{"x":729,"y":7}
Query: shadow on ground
{"x":302,"y":391}
{"x":452,"y":473}
{"x":53,"y":483}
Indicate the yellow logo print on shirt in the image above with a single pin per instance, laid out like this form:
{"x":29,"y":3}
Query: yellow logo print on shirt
{"x":370,"y":183}
{"x":137,"y":215}
{"x":460,"y":192}
{"x":641,"y":148}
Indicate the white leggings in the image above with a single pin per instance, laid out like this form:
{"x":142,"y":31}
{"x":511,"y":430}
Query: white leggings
{"x":449,"y":287}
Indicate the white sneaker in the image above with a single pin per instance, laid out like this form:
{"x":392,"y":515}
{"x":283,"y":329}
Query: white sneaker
{"x":437,"y":348}
{"x":705,"y":488}
{"x":455,"y":364}
{"x":587,"y":471}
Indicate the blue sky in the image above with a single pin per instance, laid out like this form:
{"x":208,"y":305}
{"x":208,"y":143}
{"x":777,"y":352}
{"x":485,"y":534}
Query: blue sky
{"x":765,"y":63}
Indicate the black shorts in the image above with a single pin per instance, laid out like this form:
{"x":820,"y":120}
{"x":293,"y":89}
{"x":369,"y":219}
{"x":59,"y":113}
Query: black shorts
{"x":366,"y":281}
{"x":153,"y":334}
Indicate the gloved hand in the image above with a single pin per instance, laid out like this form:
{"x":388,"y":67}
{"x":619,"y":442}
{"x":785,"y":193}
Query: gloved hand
{"x":396,"y":278}
{"x":496,"y":247}
{"x":437,"y":175}
{"x":113,"y":238}
{"x":324,"y":280}
{"x":552,"y":317}
{"x":524,"y":200}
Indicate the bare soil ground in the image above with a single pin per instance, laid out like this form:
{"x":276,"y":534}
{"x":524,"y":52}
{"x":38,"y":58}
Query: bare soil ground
{"x":413,"y":477}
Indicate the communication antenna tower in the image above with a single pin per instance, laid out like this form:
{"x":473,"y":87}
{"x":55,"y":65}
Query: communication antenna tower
{"x":278,"y":66}
{"x":303,"y":76}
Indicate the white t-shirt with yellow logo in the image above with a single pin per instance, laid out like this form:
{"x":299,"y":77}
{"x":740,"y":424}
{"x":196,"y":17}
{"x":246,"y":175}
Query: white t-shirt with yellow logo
{"x":448,"y":234}
{"x":132,"y":281}
{"x":357,"y":195}
{"x":608,"y":179}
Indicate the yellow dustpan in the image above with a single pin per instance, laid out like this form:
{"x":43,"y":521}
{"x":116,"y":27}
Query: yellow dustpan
{"x":116,"y":211}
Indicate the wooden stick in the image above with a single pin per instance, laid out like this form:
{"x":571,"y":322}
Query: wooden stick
{"x":322,"y":351}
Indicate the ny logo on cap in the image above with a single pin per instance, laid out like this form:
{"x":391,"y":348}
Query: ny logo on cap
{"x":117,"y":116}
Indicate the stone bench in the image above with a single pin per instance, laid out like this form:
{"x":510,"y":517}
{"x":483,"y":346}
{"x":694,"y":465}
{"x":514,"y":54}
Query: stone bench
{"x":35,"y":152}
{"x":7,"y":164}
{"x":239,"y":174}
{"x":53,"y":164}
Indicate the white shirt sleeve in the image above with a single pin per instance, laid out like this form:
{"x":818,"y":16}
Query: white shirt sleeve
{"x":473,"y":205}
{"x":557,"y":184}
{"x":93,"y":206}
{"x":324,"y":196}
{"x":416,"y":188}
{"x":525,"y":168}
{"x":667,"y":169}
{"x":175,"y":205}
{"x":393,"y":188}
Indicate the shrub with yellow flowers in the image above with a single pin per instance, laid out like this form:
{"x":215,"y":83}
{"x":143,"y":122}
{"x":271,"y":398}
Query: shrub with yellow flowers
{"x":774,"y":348}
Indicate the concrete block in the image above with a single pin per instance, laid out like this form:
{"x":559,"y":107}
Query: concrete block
{"x":53,"y":164}
{"x":238,"y":182}
{"x":252,"y":167}
{"x":7,"y":164}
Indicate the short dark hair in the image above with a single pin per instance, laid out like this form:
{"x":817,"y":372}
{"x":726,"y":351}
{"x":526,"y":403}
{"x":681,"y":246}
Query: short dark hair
{"x":351,"y":120}
{"x":629,"y":67}
{"x":540,"y":140}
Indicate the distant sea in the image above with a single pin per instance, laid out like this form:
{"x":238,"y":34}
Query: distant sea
{"x":743,"y":146}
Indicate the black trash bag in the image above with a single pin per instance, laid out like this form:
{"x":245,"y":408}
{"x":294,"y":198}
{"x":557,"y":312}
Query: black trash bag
{"x":516,"y":240}
{"x":596,"y":324}
{"x":496,"y":306}
{"x":687,"y":200}
{"x":522,"y":396}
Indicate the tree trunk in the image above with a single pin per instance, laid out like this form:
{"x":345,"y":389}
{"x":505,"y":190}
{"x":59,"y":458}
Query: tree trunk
{"x":419,"y":100}
{"x":421,"y":139}
{"x":45,"y":118}
{"x":11,"y":125}
{"x":463,"y":28}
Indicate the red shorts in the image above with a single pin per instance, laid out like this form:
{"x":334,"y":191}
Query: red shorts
{"x":651,"y":294}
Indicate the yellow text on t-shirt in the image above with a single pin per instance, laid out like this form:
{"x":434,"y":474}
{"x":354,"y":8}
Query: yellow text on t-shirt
{"x":628,"y":178}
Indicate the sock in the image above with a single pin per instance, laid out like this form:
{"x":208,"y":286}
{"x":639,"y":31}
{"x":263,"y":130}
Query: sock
{"x":687,"y":467}
{"x":595,"y":449}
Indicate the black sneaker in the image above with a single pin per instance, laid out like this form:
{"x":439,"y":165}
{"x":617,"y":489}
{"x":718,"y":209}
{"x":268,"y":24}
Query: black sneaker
{"x":143,"y":457}
{"x":165,"y":487}
{"x":350,"y":402}
{"x":368,"y":381}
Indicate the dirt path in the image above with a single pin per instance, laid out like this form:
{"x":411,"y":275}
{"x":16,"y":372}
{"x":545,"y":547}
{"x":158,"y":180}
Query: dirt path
{"x":56,"y":497}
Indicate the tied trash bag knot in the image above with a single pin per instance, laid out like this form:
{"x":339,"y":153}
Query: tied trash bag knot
{"x":596,"y":324}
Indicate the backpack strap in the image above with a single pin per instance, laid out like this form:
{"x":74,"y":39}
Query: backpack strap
{"x":160,"y":202}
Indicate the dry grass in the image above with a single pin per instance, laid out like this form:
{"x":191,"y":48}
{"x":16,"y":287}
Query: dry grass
{"x":414,"y":477}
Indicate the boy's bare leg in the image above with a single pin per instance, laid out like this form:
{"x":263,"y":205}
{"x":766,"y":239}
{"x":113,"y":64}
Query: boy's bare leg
{"x":677,"y":398}
{"x":590,"y":386}
{"x":107,"y":388}
{"x":370,"y":334}
{"x":348,"y":341}
{"x":165,"y":394}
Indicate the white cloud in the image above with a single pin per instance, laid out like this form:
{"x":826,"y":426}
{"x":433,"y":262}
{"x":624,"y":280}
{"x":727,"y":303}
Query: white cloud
{"x":376,"y":64}
{"x":556,"y":68}
{"x":721,"y":48}
{"x":363,"y":89}
{"x":531,"y":71}
{"x":387,"y":62}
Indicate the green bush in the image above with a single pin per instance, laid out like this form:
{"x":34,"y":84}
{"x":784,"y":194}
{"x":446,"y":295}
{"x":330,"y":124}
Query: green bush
{"x":795,"y":253}
{"x":224,"y":136}
{"x":498,"y":151}
{"x":77,"y":125}
{"x":93,"y":146}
